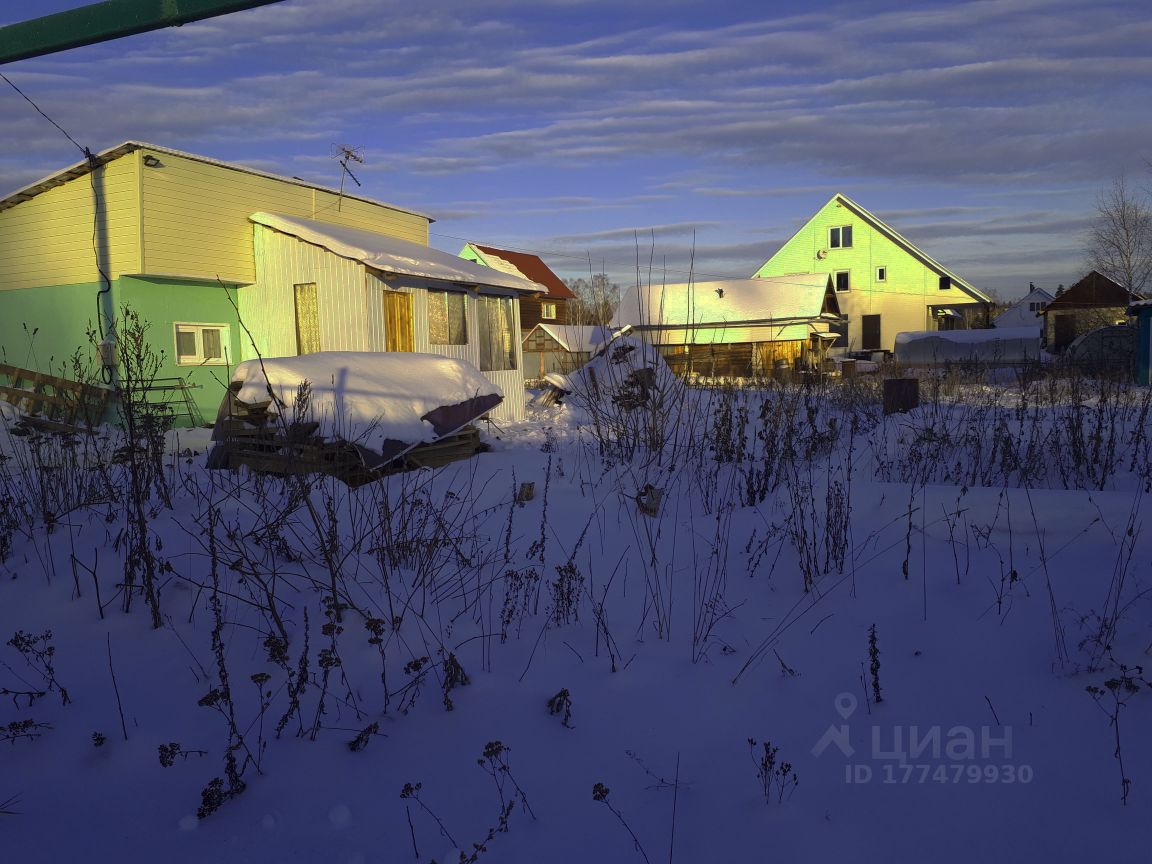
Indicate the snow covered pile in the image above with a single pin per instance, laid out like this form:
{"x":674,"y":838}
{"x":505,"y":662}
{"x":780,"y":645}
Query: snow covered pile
{"x":628,"y":374}
{"x":371,"y":398}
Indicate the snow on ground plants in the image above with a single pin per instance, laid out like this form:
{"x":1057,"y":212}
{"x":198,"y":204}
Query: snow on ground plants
{"x":734,"y":625}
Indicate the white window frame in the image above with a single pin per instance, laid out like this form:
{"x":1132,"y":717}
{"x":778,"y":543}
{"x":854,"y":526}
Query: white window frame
{"x":197,"y":329}
{"x":548,"y":309}
{"x":836,"y":281}
{"x":839,"y":235}
{"x":882,"y":273}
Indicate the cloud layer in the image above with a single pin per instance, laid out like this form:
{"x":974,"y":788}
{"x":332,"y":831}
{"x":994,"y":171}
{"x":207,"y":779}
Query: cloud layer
{"x":575,"y":126}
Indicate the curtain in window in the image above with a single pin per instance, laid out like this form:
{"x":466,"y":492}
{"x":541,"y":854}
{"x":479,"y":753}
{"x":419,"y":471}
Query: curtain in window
{"x":447,"y":324}
{"x":496,"y":317}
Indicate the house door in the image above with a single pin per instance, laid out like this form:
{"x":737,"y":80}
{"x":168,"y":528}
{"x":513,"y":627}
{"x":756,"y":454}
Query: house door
{"x":307,"y":318}
{"x":870,"y":332}
{"x":1065,"y":331}
{"x":398,"y":333}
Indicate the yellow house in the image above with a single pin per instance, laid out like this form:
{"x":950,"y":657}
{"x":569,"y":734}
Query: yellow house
{"x":884,"y":284}
{"x":172,"y":236}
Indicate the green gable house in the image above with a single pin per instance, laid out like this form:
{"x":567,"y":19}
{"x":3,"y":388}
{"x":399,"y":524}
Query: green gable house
{"x":226,"y":263}
{"x":884,"y":284}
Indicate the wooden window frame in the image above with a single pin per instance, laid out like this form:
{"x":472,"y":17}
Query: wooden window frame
{"x":548,"y":309}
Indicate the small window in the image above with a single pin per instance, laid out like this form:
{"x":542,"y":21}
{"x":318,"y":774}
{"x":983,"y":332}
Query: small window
{"x":843,"y":280}
{"x":945,"y":283}
{"x":447,"y":321}
{"x":548,"y":310}
{"x":881,"y":274}
{"x":202,"y":344}
{"x":840,"y":237}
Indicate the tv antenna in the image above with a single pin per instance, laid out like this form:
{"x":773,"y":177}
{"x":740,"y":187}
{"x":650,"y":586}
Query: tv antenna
{"x":344,"y":155}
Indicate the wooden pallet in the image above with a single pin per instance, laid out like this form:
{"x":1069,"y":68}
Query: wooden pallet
{"x":252,"y":437}
{"x":56,"y":403}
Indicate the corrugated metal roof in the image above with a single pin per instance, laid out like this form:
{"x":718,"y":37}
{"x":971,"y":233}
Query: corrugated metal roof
{"x":530,"y":267}
{"x":773,"y":299}
{"x":392,"y":255}
{"x":102,"y":158}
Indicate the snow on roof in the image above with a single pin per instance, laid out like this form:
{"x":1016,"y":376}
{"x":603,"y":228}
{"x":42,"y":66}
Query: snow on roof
{"x":996,"y":345}
{"x":969,"y":337}
{"x":393,"y":255}
{"x":576,"y":338}
{"x":369,"y":398}
{"x":527,"y":265}
{"x":733,"y":301}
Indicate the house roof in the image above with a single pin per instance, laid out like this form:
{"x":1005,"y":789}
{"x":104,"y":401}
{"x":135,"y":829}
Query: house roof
{"x":393,"y":255}
{"x":576,"y":338}
{"x":1093,"y":290}
{"x":906,"y":244}
{"x":105,"y":156}
{"x":732,"y":302}
{"x":525,"y":264}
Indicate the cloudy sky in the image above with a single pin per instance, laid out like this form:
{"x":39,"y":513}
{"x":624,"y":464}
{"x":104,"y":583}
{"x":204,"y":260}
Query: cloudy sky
{"x":675,"y":134}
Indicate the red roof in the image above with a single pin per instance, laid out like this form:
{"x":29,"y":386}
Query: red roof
{"x":532,"y":268}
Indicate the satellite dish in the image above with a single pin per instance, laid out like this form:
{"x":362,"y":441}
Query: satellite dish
{"x":822,"y":254}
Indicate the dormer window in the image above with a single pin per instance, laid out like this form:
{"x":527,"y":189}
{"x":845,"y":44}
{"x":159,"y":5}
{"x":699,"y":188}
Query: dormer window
{"x":840,"y":237}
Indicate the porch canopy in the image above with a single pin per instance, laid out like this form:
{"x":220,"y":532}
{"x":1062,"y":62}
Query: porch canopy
{"x":392,"y":255}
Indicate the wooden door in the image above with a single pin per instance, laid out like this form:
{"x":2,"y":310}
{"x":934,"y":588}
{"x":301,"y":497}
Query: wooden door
{"x":398,"y":333}
{"x":1065,"y":331}
{"x":870,"y":332}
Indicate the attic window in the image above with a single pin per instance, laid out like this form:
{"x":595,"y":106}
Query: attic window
{"x":202,"y":344}
{"x":945,"y":283}
{"x":548,"y":310}
{"x":840,"y":237}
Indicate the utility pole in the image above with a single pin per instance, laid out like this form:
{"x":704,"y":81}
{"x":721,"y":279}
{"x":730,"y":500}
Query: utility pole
{"x":102,"y":22}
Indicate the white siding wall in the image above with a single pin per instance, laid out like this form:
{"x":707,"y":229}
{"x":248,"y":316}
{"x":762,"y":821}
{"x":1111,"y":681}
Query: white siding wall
{"x":351,"y":310}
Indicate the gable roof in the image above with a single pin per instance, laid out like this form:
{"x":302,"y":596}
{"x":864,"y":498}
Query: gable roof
{"x":900,"y":240}
{"x":524,"y":264}
{"x":85,"y":166}
{"x":732,"y":302}
{"x":575,"y":338}
{"x":1095,"y":289}
{"x":392,"y":255}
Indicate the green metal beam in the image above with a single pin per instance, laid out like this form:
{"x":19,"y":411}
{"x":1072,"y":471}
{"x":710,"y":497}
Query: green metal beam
{"x":100,"y":22}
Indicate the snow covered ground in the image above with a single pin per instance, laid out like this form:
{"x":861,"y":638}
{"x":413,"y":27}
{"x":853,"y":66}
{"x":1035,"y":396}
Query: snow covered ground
{"x":385,"y":636}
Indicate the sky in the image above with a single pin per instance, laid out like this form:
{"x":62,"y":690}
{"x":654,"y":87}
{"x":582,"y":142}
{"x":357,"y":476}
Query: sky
{"x":659,"y":138}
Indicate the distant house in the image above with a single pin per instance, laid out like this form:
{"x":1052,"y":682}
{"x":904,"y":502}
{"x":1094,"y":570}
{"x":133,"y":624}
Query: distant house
{"x":1141,"y":310}
{"x":549,"y":307}
{"x":561,"y":348}
{"x":884,"y":284}
{"x":737,"y":327}
{"x":226,"y":263}
{"x":1093,"y":302}
{"x":1025,"y":312}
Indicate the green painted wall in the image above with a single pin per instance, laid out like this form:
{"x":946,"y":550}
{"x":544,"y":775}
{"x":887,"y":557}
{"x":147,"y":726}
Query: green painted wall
{"x":165,"y":302}
{"x":41,"y":328}
{"x":902,"y":299}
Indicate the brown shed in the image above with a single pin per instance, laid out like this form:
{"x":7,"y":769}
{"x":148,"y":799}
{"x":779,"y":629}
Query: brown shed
{"x":1093,"y":302}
